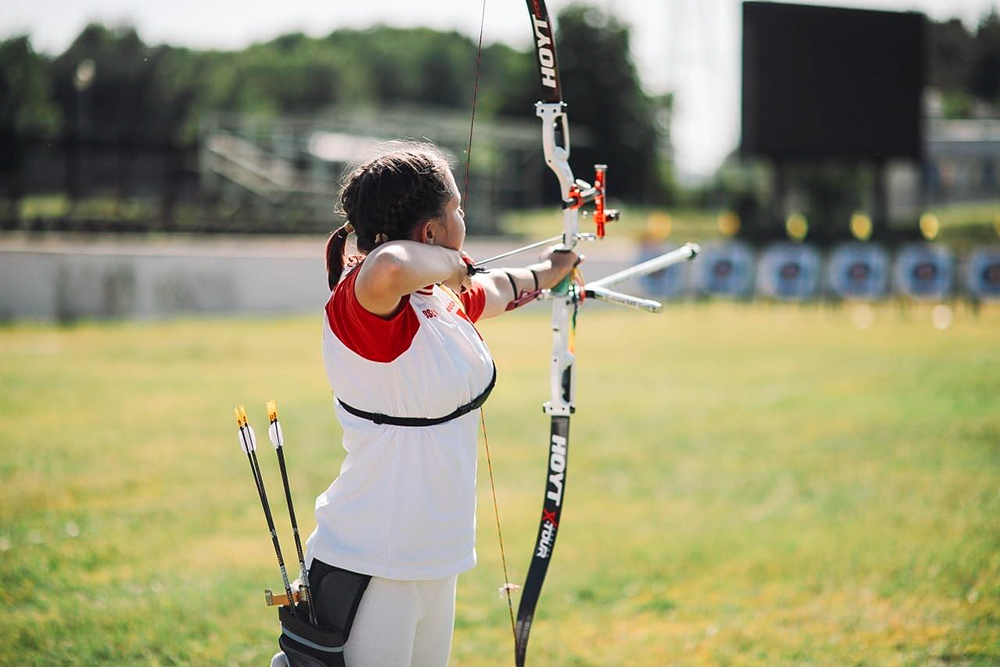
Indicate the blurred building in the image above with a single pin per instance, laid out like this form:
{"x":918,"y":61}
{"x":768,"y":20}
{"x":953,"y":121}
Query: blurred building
{"x":960,"y":165}
{"x":296,"y":164}
{"x":962,"y":162}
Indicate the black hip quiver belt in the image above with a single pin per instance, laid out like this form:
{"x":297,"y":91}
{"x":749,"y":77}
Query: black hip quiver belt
{"x":337,"y":594}
{"x":461,"y":411}
{"x":307,"y":645}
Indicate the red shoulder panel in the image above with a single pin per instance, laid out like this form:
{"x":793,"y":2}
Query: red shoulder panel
{"x":366,"y":334}
{"x":474,"y":301}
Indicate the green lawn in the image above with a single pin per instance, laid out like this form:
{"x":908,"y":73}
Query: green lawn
{"x":749,"y":484}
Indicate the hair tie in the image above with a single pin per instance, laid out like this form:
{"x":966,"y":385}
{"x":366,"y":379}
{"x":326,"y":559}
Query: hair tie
{"x":348,"y":227}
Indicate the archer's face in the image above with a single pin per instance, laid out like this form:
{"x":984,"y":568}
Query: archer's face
{"x":449,"y":229}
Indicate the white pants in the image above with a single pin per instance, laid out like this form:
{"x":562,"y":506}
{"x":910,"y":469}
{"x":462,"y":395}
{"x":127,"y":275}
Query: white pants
{"x":401,"y":624}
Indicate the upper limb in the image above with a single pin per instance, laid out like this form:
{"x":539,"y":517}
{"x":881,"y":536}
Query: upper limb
{"x":398,"y":268}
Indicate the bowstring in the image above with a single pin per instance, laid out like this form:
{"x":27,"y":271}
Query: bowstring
{"x":482,"y":413}
{"x":496,"y":513}
{"x":475,"y":96}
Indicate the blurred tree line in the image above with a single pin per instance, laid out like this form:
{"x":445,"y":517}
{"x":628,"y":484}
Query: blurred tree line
{"x":965,"y":64}
{"x":112,"y":87}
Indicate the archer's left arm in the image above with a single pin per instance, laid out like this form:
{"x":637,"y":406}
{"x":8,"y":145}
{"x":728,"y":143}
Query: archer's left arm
{"x":505,"y":286}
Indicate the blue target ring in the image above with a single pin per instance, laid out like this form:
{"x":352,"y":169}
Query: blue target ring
{"x":858,"y":271}
{"x":924,"y":271}
{"x":725,"y":269}
{"x":982,"y":275}
{"x":669,"y":282}
{"x":789,"y":271}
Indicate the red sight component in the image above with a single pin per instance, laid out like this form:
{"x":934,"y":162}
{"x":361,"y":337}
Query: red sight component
{"x":582,"y":193}
{"x":600,"y":171}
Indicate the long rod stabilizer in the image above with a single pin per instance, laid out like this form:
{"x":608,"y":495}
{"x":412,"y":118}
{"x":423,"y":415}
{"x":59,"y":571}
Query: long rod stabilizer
{"x":685,"y":253}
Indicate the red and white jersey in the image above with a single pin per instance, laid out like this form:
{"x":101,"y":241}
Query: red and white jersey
{"x":404,"y":504}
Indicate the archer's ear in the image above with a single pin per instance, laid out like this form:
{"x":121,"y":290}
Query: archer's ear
{"x":425,"y":233}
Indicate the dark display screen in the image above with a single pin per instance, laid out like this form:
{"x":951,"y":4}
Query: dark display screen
{"x":823,"y":82}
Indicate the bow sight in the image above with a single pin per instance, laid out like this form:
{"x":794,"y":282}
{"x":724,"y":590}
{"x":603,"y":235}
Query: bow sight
{"x":582,"y":192}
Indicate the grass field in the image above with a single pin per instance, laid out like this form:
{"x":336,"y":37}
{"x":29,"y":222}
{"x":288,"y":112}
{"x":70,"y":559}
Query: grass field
{"x":748,"y":484}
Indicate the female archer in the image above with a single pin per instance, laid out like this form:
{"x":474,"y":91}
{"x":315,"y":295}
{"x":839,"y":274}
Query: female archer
{"x":409,"y":371}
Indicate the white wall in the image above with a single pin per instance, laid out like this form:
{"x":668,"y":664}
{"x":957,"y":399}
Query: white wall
{"x":69,"y":278}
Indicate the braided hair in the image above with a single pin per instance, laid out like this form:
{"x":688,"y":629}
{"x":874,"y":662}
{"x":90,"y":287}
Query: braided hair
{"x":386,"y":198}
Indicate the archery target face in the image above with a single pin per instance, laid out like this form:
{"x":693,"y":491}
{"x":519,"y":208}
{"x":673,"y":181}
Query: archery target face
{"x":858,"y":271}
{"x":924,"y":271}
{"x":725,"y":269}
{"x":982,"y":273}
{"x":789,"y":271}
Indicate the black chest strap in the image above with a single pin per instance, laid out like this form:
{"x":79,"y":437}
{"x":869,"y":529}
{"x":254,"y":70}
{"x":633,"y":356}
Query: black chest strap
{"x":380,"y":418}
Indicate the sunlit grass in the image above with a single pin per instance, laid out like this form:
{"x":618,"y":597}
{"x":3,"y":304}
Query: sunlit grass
{"x":747,"y":483}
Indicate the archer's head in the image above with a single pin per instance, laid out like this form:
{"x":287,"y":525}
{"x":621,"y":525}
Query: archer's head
{"x":407,"y":193}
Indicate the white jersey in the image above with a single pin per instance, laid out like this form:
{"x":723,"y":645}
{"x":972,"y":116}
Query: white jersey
{"x":404,"y":504}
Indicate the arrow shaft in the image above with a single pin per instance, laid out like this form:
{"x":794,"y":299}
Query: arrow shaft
{"x":295,"y":533}
{"x":515,"y":251}
{"x":262,"y":493}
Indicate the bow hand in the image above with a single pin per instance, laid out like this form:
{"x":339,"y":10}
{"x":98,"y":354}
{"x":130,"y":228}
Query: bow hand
{"x":554,"y":266}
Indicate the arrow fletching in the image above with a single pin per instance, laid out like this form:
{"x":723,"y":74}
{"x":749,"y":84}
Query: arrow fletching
{"x":274,"y":432}
{"x":248,"y":439}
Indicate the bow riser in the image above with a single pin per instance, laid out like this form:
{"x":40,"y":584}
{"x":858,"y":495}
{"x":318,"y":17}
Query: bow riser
{"x":563,"y":380}
{"x":555,"y":146}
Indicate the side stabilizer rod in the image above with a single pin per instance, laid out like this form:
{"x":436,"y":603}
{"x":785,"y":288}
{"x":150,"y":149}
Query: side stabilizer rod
{"x":604,"y":294}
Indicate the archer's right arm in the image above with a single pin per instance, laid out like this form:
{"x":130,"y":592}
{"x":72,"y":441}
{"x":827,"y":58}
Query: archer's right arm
{"x":398,"y":268}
